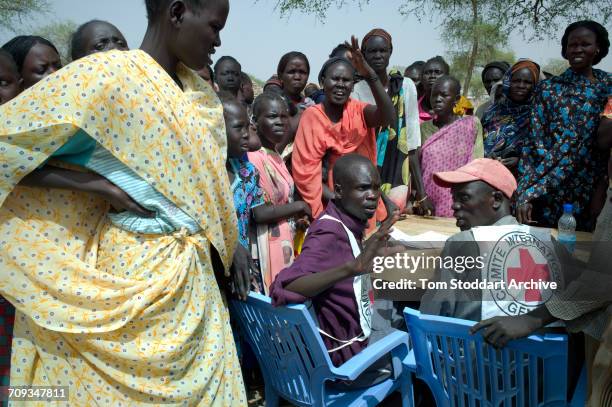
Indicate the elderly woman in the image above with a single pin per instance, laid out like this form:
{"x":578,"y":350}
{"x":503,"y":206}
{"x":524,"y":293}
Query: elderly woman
{"x":122,"y":305}
{"x":506,"y":123}
{"x":560,"y":163}
{"x":397,"y":144}
{"x":96,"y":36}
{"x":338,"y":126}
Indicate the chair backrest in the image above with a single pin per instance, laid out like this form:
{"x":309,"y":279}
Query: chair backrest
{"x":287,"y":344}
{"x":463,"y":370}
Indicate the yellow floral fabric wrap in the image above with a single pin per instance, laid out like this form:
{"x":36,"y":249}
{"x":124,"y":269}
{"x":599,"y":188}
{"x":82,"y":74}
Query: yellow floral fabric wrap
{"x":463,"y":107}
{"x":119,"y":318}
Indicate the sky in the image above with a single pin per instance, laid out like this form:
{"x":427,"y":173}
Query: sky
{"x":258,"y":36}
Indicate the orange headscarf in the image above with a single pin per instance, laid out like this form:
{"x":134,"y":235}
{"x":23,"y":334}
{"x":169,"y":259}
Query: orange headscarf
{"x":534,"y":68}
{"x":377,"y":32}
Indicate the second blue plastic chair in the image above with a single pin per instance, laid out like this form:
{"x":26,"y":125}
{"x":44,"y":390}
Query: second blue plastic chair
{"x":463,"y":370}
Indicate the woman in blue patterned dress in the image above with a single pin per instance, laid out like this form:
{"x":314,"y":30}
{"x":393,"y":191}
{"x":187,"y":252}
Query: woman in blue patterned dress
{"x":560,"y":163}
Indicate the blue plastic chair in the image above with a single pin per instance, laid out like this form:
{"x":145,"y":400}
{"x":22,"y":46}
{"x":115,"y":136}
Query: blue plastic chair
{"x":295,"y":363}
{"x":463,"y":370}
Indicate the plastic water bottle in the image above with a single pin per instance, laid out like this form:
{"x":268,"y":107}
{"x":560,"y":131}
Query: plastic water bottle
{"x":567,"y":228}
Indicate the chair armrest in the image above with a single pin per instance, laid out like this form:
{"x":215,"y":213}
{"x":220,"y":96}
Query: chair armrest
{"x":356,"y":365}
{"x":409,"y":361}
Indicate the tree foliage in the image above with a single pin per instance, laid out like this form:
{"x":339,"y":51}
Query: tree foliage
{"x":535,"y":19}
{"x":470,"y":26}
{"x":59,"y":33}
{"x":459,"y":67}
{"x":12,"y":12}
{"x":555,"y":66}
{"x":317,"y":7}
{"x":492,"y":44}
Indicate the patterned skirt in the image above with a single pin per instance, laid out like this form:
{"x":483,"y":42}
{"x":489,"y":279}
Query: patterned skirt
{"x":119,"y":318}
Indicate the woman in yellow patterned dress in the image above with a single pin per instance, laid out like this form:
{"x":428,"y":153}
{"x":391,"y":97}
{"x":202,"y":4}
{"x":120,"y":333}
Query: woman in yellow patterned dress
{"x":122,"y":308}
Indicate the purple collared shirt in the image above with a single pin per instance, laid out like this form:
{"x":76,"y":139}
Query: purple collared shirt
{"x":326,"y":247}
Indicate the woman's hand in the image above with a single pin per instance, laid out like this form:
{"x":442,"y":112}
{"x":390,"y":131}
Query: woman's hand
{"x":424,"y":207}
{"x":510,"y":162}
{"x":53,"y":177}
{"x":240,"y":275}
{"x":358,"y":60}
{"x":523,"y":213}
{"x":119,"y":200}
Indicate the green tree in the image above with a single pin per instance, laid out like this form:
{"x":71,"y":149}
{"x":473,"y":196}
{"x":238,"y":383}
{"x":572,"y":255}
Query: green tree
{"x":535,"y":19}
{"x":555,"y":66}
{"x":491,"y":46}
{"x":59,"y":33}
{"x":459,"y":67}
{"x":258,"y":84}
{"x":13,"y":11}
{"x":316,"y":7}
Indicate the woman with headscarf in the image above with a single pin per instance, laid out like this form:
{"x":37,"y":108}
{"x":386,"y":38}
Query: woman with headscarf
{"x":338,"y":126}
{"x":559,"y":162}
{"x":114,"y":250}
{"x":506,"y":123}
{"x":396,"y":144}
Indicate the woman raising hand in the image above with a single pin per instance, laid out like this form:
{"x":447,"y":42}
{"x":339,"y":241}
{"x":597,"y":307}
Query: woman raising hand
{"x":338,"y":126}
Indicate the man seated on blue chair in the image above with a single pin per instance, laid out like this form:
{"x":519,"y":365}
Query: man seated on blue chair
{"x":332,"y":270}
{"x":482,"y":196}
{"x":585,"y":304}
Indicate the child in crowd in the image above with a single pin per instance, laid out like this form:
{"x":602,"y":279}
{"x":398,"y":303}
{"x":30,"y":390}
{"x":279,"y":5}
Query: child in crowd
{"x":246,"y":94}
{"x":10,"y":86}
{"x":275,"y":225}
{"x":244,"y":178}
{"x":448,"y":141}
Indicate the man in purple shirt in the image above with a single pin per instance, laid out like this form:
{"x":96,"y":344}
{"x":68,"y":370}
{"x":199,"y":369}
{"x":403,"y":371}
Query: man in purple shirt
{"x":331,"y":269}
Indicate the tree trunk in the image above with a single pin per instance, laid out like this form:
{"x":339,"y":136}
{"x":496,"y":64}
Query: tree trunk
{"x":474,"y":53}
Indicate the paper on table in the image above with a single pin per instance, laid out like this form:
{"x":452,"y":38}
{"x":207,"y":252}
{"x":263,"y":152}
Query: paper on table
{"x":427,"y":240}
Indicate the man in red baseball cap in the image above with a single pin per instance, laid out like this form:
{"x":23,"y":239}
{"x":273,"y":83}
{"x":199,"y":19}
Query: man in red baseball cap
{"x":482,"y":193}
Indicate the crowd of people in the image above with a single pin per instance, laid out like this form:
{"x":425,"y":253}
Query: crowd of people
{"x":142,"y":188}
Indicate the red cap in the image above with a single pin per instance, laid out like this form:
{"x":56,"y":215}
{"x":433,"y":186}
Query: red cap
{"x":490,"y":171}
